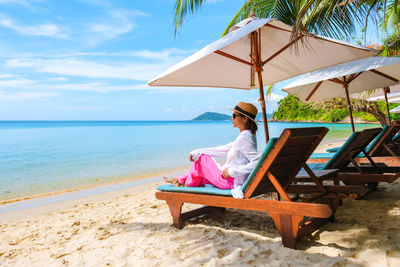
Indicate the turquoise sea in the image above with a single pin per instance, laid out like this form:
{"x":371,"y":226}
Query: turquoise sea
{"x":39,"y":157}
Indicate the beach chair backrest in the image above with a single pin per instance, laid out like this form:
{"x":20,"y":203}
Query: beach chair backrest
{"x":284,"y":159}
{"x":386,"y":138}
{"x":396,"y":138}
{"x":353,"y":147}
{"x":377,"y":139}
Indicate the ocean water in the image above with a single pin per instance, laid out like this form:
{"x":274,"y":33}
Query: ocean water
{"x":39,"y":157}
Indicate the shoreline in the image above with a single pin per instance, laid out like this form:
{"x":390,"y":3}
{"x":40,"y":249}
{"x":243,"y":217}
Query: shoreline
{"x":116,"y":181}
{"x":33,"y":207}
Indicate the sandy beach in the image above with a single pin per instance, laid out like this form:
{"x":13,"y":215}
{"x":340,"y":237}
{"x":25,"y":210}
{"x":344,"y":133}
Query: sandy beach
{"x":130,"y":227}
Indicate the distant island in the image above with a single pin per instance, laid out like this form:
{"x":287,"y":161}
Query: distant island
{"x":214,"y":116}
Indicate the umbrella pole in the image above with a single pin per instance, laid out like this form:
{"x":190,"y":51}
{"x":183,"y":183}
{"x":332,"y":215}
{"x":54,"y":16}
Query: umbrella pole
{"x":258,"y":66}
{"x":262,"y":104}
{"x":385,"y":90}
{"x":346,"y":88}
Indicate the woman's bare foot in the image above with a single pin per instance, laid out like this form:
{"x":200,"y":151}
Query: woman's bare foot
{"x":173,"y":181}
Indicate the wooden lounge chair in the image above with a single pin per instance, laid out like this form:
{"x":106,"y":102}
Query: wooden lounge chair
{"x":386,"y":136}
{"x":383,"y":149}
{"x":276,"y":171}
{"x":350,"y":171}
{"x":384,"y":146}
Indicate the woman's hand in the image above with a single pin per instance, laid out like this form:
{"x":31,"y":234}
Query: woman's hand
{"x":225,"y":173}
{"x":191,"y":157}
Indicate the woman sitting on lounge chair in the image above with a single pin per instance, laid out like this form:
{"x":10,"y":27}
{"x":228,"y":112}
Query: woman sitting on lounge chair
{"x":241,"y":154}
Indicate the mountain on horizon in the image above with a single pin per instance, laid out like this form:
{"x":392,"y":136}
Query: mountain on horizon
{"x":212,"y":116}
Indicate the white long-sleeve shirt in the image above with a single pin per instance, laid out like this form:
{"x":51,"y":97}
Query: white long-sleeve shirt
{"x":241,"y":156}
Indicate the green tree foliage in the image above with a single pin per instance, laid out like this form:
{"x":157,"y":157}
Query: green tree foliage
{"x":333,"y":18}
{"x":291,"y":108}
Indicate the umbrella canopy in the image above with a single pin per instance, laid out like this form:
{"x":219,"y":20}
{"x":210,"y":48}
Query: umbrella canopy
{"x":258,"y":46}
{"x":344,"y":79}
{"x":395,"y":110}
{"x":372,"y":73}
{"x":379,"y":95}
{"x":394,"y":98}
{"x":389,"y":94}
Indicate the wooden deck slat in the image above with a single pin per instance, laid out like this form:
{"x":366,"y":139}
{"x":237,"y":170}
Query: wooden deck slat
{"x":280,"y":207}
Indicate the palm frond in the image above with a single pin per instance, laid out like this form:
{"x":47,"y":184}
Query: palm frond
{"x":182,"y":8}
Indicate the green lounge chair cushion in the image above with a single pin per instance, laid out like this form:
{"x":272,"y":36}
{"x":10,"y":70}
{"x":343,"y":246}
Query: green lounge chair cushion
{"x":208,"y":190}
{"x":329,"y":164}
{"x":263,"y":156}
{"x":212,"y":190}
{"x":377,"y":138}
{"x":333,"y":149}
{"x":370,"y":146}
{"x":321,"y":155}
{"x":316,"y":166}
{"x":396,"y":137}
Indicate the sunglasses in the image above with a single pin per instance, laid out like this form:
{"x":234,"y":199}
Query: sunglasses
{"x":235,"y":115}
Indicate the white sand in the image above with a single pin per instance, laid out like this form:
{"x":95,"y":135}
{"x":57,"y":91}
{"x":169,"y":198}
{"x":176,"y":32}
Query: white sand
{"x":324,"y":145}
{"x":134,"y":229}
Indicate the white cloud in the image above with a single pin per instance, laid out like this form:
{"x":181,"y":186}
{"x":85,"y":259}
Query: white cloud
{"x":49,"y":30}
{"x":21,"y":2}
{"x":84,"y":108}
{"x":126,"y":13}
{"x":274,"y":97}
{"x":184,"y":109}
{"x":58,"y":79}
{"x":170,"y":54}
{"x":6,"y":75}
{"x":111,"y":31}
{"x":159,"y":55}
{"x":26,"y":95}
{"x":62,"y":85}
{"x":91,"y":69}
{"x":168,"y":110}
{"x":21,"y":82}
{"x":118,"y":22}
{"x":98,"y":87}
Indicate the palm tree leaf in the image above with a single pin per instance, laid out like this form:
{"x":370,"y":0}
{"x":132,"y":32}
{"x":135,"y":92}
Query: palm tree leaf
{"x":182,"y":8}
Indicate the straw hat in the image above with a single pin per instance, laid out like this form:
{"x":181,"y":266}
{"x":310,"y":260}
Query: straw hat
{"x":246,"y":109}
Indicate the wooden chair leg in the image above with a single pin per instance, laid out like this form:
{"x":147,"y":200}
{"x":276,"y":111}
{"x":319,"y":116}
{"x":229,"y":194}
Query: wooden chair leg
{"x":372,"y":186}
{"x":288,"y":226}
{"x":336,"y":180}
{"x":334,"y":203}
{"x":175,"y":207}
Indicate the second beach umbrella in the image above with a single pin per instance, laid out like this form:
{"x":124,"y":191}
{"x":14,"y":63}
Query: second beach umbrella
{"x":262,"y":47}
{"x":389,"y":94}
{"x":345,"y":79}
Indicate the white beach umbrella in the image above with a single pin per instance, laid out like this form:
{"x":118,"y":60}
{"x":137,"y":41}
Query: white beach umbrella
{"x":337,"y":81}
{"x":379,"y":94}
{"x":396,"y":109}
{"x":389,"y":94}
{"x":259,"y":46}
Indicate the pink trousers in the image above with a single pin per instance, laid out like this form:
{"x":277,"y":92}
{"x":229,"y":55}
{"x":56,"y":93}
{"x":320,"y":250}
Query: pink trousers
{"x":205,"y":171}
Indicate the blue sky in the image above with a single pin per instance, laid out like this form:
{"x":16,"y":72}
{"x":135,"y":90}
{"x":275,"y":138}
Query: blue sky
{"x":91,"y":59}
